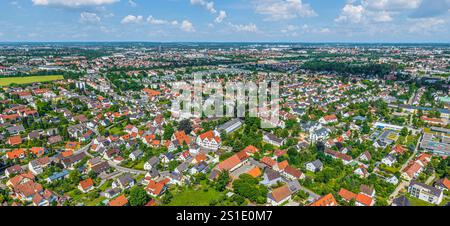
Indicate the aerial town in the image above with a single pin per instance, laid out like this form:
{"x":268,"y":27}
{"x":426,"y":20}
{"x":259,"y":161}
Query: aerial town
{"x":92,"y":124}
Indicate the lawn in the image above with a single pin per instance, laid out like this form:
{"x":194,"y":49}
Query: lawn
{"x":418,"y":202}
{"x":192,"y":197}
{"x":29,"y":79}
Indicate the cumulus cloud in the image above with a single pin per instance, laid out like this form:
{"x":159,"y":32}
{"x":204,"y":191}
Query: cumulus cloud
{"x":221,"y":17}
{"x":208,"y":5}
{"x":73,"y":3}
{"x":351,"y":13}
{"x":132,"y":19}
{"x":391,"y":5}
{"x":283,"y":9}
{"x":426,"y":25}
{"x":381,"y":16}
{"x":155,"y":21}
{"x":86,"y":17}
{"x":187,"y":26}
{"x":244,"y":27}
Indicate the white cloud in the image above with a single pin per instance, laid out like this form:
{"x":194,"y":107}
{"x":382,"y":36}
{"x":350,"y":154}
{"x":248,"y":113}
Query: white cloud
{"x":391,"y":5}
{"x":382,"y":16}
{"x":221,"y":17}
{"x":426,"y":25}
{"x":244,"y":27}
{"x":155,"y":21}
{"x":131,"y":19}
{"x":208,"y":5}
{"x":187,"y":26}
{"x":283,"y":9}
{"x":86,"y":17}
{"x":73,"y":3}
{"x":289,"y":28}
{"x":351,"y":13}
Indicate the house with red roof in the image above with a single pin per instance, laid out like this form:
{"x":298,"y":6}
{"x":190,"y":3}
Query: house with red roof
{"x":157,"y":188}
{"x":347,"y":195}
{"x":180,"y":138}
{"x":327,"y":200}
{"x":209,"y":140}
{"x":86,"y":185}
{"x":17,"y":153}
{"x":328,"y":119}
{"x":119,"y":201}
{"x":279,"y":195}
{"x":443,"y":184}
{"x":232,"y":163}
{"x":14,"y":140}
{"x":364,"y":200}
{"x":268,"y":161}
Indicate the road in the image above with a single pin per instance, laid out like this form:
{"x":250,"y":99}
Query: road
{"x":312,"y":195}
{"x":111,"y":163}
{"x":430,"y":179}
{"x":403,"y":184}
{"x":394,"y":194}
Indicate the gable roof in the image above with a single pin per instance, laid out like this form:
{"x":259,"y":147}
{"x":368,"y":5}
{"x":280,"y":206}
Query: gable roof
{"x":280,"y":193}
{"x":293,"y":171}
{"x":268,"y":161}
{"x":346,"y":194}
{"x":229,"y":163}
{"x":119,"y":201}
{"x":86,"y":184}
{"x":364,"y":199}
{"x":327,"y":200}
{"x":254,"y":172}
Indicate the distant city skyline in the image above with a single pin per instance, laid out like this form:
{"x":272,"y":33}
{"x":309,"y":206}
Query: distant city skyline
{"x":341,"y":21}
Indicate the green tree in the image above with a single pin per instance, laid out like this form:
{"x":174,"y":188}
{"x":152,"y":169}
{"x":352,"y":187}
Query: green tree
{"x":138,"y":196}
{"x":222,"y":181}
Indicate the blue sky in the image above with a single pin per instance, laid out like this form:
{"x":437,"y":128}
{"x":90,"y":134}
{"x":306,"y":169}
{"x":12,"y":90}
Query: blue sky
{"x":226,"y":20}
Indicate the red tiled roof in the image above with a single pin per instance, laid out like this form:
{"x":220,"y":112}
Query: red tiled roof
{"x":281,"y":193}
{"x":229,"y":163}
{"x":15,"y":140}
{"x":293,"y":171}
{"x":119,"y":201}
{"x":282,"y":165}
{"x":346,"y":194}
{"x":364,"y":199}
{"x":16,"y":153}
{"x":210,"y":136}
{"x":254,"y":172}
{"x":327,"y":200}
{"x":251,"y":149}
{"x":182,"y":138}
{"x":268,"y":161}
{"x":86,"y":184}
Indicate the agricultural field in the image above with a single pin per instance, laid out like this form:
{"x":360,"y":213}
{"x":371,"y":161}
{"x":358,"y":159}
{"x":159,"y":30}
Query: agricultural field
{"x":30,"y":79}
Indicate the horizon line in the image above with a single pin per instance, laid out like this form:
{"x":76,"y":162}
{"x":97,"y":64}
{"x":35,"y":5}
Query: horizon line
{"x":225,"y":42}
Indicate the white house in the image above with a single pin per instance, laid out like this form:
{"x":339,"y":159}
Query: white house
{"x":314,"y":166}
{"x":209,"y":140}
{"x":389,"y":160}
{"x":425,"y":192}
{"x":392,"y":180}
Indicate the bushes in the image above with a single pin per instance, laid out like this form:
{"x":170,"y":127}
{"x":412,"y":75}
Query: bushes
{"x":249,"y":187}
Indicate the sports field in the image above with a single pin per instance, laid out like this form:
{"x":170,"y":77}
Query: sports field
{"x":29,"y":79}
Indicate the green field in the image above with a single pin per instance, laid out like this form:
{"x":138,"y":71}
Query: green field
{"x":30,"y":79}
{"x":193,"y":197}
